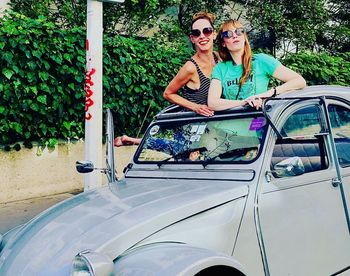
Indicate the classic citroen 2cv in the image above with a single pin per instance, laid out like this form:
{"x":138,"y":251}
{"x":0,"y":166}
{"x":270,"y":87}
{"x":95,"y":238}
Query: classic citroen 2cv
{"x":244,"y":192}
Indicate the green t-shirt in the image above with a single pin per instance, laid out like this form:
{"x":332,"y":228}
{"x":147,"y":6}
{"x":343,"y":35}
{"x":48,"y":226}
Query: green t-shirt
{"x":229,"y":74}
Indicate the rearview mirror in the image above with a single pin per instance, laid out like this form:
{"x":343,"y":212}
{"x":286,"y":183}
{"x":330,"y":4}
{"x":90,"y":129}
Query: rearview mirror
{"x":289,"y":167}
{"x":84,"y":166}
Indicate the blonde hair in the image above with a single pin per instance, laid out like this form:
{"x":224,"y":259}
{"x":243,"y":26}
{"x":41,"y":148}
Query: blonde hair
{"x":204,"y":15}
{"x":247,"y":53}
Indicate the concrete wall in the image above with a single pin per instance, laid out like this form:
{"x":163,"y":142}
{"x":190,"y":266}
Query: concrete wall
{"x":30,"y":173}
{"x":3,"y":6}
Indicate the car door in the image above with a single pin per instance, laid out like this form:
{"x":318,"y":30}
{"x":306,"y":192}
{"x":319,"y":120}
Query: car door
{"x":301,"y":213}
{"x":339,"y":114}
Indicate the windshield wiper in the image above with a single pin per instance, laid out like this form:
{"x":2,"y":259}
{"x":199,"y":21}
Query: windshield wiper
{"x":228,"y":154}
{"x":182,"y":155}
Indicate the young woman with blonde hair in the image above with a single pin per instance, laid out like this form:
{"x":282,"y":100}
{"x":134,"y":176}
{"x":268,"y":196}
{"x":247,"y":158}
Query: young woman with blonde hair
{"x":243,"y":77}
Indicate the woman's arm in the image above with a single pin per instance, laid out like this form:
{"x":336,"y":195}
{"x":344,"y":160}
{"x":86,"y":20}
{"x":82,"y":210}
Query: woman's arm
{"x":292,"y":80}
{"x":182,"y":78}
{"x":214,"y":97}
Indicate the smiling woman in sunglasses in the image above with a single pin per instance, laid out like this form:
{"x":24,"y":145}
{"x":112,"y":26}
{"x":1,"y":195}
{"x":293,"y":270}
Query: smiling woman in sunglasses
{"x":242,"y":77}
{"x":194,"y":76}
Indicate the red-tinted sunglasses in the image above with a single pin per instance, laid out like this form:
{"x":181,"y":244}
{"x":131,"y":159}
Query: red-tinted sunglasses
{"x":206,"y":31}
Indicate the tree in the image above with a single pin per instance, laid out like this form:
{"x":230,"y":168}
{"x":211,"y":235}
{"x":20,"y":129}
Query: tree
{"x":62,"y":13}
{"x":300,"y":25}
{"x":282,"y":25}
{"x":128,"y":18}
{"x":287,"y":24}
{"x":336,"y":35}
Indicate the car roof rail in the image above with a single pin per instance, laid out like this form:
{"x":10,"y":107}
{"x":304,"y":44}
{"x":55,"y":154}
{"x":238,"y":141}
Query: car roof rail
{"x":175,"y":112}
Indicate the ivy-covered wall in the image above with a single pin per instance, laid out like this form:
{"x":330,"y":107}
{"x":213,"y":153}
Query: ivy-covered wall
{"x":42,"y":77}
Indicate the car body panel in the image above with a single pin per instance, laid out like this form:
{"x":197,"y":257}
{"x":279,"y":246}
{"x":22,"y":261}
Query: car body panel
{"x":223,"y":220}
{"x":101,"y":221}
{"x":172,"y":259}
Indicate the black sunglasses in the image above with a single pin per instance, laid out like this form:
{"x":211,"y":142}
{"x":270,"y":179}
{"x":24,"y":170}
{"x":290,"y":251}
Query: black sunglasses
{"x":228,"y":34}
{"x":206,"y":31}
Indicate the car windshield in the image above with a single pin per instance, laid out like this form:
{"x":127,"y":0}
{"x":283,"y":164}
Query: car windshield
{"x":206,"y":140}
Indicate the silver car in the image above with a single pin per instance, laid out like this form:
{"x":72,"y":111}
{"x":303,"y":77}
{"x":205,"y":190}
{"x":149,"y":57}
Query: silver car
{"x":244,"y":192}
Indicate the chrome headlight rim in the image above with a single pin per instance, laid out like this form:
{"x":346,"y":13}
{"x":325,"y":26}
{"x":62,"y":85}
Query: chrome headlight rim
{"x":88,"y":262}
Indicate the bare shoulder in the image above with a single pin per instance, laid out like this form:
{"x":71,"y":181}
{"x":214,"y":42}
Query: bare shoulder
{"x":188,"y":68}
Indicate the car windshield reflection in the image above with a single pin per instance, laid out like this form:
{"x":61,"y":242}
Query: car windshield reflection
{"x":225,"y":140}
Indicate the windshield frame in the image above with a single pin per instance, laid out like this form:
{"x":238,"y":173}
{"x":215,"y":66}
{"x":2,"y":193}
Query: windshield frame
{"x":197,"y":119}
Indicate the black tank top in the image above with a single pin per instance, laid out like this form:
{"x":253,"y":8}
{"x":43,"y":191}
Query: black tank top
{"x":198,"y":96}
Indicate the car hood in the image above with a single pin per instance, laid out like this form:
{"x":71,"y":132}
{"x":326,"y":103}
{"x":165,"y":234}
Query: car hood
{"x":109,"y":220}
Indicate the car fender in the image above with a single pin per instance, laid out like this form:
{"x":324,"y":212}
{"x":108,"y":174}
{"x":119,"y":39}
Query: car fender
{"x":175,"y":259}
{"x":10,"y":234}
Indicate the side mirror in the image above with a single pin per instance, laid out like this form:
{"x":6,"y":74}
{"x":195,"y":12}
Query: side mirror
{"x":289,"y":167}
{"x":84,"y":166}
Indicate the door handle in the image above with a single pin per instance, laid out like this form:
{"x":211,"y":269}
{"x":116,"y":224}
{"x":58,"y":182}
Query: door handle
{"x":335,"y":182}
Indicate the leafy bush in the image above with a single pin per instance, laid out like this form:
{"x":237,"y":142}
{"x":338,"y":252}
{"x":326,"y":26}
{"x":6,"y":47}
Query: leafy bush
{"x":321,"y":68}
{"x":42,"y":79}
{"x":136,"y":73}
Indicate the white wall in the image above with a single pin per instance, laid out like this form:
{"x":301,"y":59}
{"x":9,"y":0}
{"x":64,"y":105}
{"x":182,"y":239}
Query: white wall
{"x":3,"y":5}
{"x":30,"y":173}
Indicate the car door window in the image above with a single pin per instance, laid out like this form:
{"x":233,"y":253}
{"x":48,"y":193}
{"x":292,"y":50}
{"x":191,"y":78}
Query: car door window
{"x":300,"y":150}
{"x":340,"y":122}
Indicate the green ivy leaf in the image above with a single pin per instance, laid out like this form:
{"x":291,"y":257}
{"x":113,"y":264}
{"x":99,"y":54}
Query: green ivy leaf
{"x":42,"y":99}
{"x":67,"y":125}
{"x":51,"y":143}
{"x":43,"y":76}
{"x":34,"y":90}
{"x":122,"y":59}
{"x":67,"y":56}
{"x":8,"y":73}
{"x":32,"y":65}
{"x":44,"y":87}
{"x":8,"y":56}
{"x":43,"y":128}
{"x":78,"y":78}
{"x":16,"y":126}
{"x":28,"y":54}
{"x":46,"y":65}
{"x":127,"y":81}
{"x":37,"y":54}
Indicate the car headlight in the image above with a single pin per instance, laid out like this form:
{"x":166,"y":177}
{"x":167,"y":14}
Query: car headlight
{"x":89,"y":263}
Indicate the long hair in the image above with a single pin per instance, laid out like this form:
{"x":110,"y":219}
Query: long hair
{"x":247,"y":53}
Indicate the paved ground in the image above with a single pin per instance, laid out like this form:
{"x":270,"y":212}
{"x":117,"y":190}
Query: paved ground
{"x":19,"y":212}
